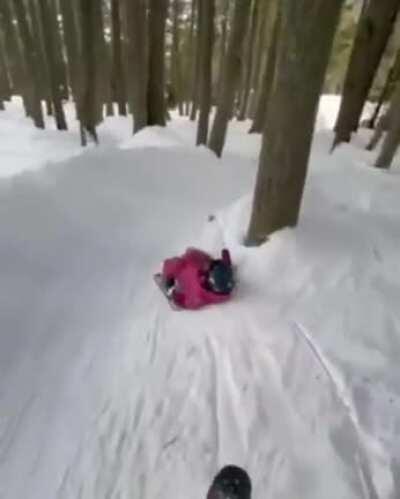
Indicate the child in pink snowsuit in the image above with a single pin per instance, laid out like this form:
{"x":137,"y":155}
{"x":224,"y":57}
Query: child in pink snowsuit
{"x":194,"y":279}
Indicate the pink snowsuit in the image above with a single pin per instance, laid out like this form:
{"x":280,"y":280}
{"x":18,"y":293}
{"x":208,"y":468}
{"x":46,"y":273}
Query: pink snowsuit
{"x":189,"y":273}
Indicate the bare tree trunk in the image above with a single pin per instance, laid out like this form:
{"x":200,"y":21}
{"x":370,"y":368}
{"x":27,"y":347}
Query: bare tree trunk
{"x":392,"y":77}
{"x":30,"y":56}
{"x":206,"y":21}
{"x":232,"y":73}
{"x":249,"y":65}
{"x":381,"y":127}
{"x":72,"y":43}
{"x":268,"y":80}
{"x":392,"y":139}
{"x":90,"y":113}
{"x":176,"y":57}
{"x":374,"y":29}
{"x":58,"y":49}
{"x":196,"y":65}
{"x":260,"y":45}
{"x":137,"y":64}
{"x":42,"y":67}
{"x":12,"y":47}
{"x":118,"y":79}
{"x":189,"y":72}
{"x":307,"y":31}
{"x":50,"y":44}
{"x":5,"y":84}
{"x":156,"y":83}
{"x":222,"y":46}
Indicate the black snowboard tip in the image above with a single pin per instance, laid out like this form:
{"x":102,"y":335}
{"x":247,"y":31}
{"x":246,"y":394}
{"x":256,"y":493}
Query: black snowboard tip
{"x":231,"y":482}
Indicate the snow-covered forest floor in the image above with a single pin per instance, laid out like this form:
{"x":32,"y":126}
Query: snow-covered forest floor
{"x":107,"y":393}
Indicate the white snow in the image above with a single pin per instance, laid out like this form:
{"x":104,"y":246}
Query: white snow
{"x":107,"y":393}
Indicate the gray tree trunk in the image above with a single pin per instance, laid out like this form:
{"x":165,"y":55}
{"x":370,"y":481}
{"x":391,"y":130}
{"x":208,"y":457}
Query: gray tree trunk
{"x":5,"y":83}
{"x":374,"y":29}
{"x":206,"y":21}
{"x":12,"y":47}
{"x":72,"y":42}
{"x":189,"y":58}
{"x":222,"y":45}
{"x":196,"y":65}
{"x":31,"y":60}
{"x":268,"y":80}
{"x":137,"y":65}
{"x":156,"y":84}
{"x":307,"y":31}
{"x":392,"y":139}
{"x":232,"y":72}
{"x":58,"y":49}
{"x":47,"y":22}
{"x":250,"y":51}
{"x":118,"y":78}
{"x":90,"y":113}
{"x":176,"y":71}
{"x":42,"y":67}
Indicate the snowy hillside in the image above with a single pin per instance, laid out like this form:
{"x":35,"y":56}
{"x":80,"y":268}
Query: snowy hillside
{"x":107,"y":393}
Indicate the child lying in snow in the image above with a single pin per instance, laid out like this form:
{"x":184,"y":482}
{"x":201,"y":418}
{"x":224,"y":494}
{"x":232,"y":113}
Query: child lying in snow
{"x":194,"y":279}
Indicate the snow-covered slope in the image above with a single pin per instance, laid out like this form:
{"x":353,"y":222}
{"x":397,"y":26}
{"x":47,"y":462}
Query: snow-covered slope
{"x":107,"y":393}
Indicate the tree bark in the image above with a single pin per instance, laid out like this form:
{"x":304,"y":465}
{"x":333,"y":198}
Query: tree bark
{"x":196,"y":65}
{"x":222,"y":46}
{"x":58,"y":50}
{"x":156,"y":84}
{"x":307,"y":31}
{"x":47,"y":21}
{"x":392,"y":77}
{"x":31,"y":59}
{"x":189,"y":58}
{"x":176,"y":71}
{"x":5,"y":83}
{"x":232,"y":71}
{"x":268,"y":80}
{"x":118,"y":78}
{"x":392,"y":139}
{"x":206,"y":21}
{"x":374,"y":29}
{"x":12,"y":48}
{"x":90,"y":113}
{"x":137,"y":63}
{"x":249,"y":58}
{"x":72,"y":42}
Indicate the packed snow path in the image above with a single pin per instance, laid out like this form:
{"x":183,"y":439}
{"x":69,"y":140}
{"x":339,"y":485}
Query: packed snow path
{"x":107,"y":393}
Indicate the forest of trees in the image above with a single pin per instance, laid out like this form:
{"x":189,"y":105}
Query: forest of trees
{"x":267,"y":61}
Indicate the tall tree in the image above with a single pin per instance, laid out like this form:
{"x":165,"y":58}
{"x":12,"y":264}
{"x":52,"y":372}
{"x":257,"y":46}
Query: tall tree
{"x":206,"y":21}
{"x":5,"y":83}
{"x":250,"y":49}
{"x":268,"y":79}
{"x":196,"y":62}
{"x":222,"y":43}
{"x":137,"y":67}
{"x":31,"y":51}
{"x":176,"y":70}
{"x":374,"y":29}
{"x":392,"y":139}
{"x":118,"y":79}
{"x":59,"y":49}
{"x":307,"y":31}
{"x":48,"y":20}
{"x":72,"y":40}
{"x":392,"y":77}
{"x":90,"y":111}
{"x":42,"y":66}
{"x":156,"y":83}
{"x":232,"y":72}
{"x":189,"y":58}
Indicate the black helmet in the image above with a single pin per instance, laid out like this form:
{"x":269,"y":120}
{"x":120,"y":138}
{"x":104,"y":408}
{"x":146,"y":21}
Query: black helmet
{"x":220,"y":278}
